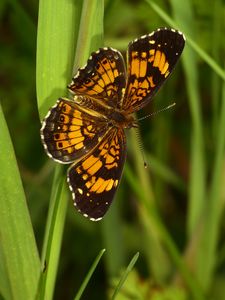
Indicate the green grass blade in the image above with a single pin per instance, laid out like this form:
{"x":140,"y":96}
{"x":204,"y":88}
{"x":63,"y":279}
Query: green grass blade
{"x":18,"y":248}
{"x":208,"y":59}
{"x":53,"y":238}
{"x":57,"y":32}
{"x":58,"y":24}
{"x":89,"y":274}
{"x":125,"y":274}
{"x":5,"y":289}
{"x":90,"y":36}
{"x":58,"y":29}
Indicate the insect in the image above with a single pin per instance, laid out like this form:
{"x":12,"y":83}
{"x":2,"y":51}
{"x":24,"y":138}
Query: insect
{"x":88,"y":130}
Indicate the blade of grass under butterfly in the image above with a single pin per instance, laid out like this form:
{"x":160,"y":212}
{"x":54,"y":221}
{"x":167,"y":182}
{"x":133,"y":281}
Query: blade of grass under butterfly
{"x":5,"y":289}
{"x":89,"y":274}
{"x":53,"y":235}
{"x":93,"y":10}
{"x":125,"y":274}
{"x":90,"y":36}
{"x":19,"y":256}
{"x":208,"y":59}
{"x":57,"y":31}
{"x":58,"y":24}
{"x":61,"y":27}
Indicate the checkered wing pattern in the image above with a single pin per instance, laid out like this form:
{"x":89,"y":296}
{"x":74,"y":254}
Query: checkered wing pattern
{"x":69,"y":133}
{"x":95,"y":178}
{"x":103,"y":77}
{"x":151,"y":59}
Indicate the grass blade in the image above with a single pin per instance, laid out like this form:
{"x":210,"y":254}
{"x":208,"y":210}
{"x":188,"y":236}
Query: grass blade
{"x":125,"y":274}
{"x":57,"y":29}
{"x":18,"y":247}
{"x":59,"y":22}
{"x":53,"y":238}
{"x":90,"y":36}
{"x":89,"y":274}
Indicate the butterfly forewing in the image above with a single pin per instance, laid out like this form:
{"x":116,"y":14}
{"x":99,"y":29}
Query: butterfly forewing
{"x":95,"y":178}
{"x":103,"y":77}
{"x":151,"y":59}
{"x":68,"y":132}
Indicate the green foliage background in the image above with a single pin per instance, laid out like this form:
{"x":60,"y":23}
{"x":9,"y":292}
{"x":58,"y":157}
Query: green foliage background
{"x":172,"y":213}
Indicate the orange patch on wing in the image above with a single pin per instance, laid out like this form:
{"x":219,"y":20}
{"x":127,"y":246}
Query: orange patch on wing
{"x":162,"y":62}
{"x":109,"y":185}
{"x":157,"y":58}
{"x":93,"y":169}
{"x":79,"y":146}
{"x":165,"y":68}
{"x":143,"y":68}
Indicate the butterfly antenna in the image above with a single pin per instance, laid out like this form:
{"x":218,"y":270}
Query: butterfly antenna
{"x":141,"y":146}
{"x":158,"y":111}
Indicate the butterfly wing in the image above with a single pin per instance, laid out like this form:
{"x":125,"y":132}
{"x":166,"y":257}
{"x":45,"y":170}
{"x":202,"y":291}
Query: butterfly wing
{"x":68,"y":132}
{"x":151,"y":59}
{"x":95,"y":178}
{"x":103,"y":77}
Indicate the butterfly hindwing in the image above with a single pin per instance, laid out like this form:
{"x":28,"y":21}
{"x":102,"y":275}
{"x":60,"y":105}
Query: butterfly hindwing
{"x":95,"y":178}
{"x":151,"y":59}
{"x":102,"y":78}
{"x":68,"y":133}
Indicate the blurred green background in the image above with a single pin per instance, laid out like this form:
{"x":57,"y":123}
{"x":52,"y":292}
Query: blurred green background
{"x":172,"y":213}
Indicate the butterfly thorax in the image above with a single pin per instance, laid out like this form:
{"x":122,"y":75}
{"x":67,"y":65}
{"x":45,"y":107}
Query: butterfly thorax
{"x":112,"y":115}
{"x":122,"y":119}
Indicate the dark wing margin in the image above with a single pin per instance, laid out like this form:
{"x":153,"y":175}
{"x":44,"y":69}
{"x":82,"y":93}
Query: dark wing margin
{"x":102,"y":78}
{"x":95,"y":178}
{"x":69,"y":133}
{"x":151,"y":60}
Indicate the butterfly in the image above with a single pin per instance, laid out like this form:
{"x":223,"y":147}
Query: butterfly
{"x":87,"y":131}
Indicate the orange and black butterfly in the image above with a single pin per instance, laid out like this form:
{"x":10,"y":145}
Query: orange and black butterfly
{"x":88,"y":130}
